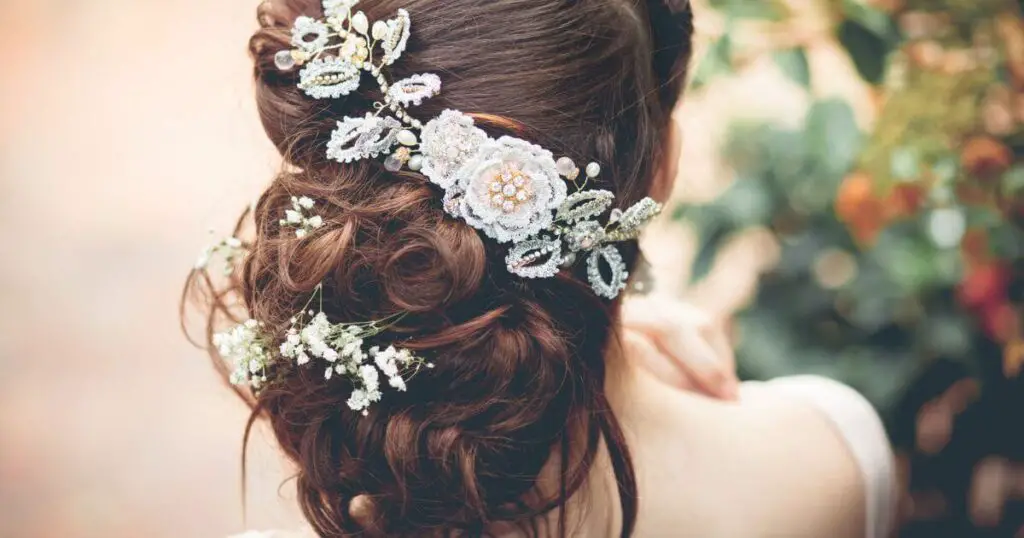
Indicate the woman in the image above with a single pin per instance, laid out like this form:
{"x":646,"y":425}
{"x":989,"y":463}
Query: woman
{"x":436,"y":332}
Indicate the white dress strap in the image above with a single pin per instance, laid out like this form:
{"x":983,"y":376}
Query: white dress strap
{"x":860,"y":426}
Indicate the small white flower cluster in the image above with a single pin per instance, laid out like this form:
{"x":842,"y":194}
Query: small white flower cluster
{"x":296,"y":216}
{"x":229,"y":249}
{"x":247,"y":348}
{"x":341,"y":346}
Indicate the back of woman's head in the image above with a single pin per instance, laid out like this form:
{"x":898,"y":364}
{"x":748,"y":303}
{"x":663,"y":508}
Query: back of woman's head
{"x":519,"y":364}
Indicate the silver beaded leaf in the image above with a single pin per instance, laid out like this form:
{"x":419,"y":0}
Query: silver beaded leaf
{"x":535,"y":258}
{"x":329,"y":78}
{"x":413,"y":90}
{"x":608,"y":287}
{"x":584,"y":205}
{"x":310,"y":35}
{"x":632,"y":221}
{"x":362,"y":138}
{"x":397,"y":38}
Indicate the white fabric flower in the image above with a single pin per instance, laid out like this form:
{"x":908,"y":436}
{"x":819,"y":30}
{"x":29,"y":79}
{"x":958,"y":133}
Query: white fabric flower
{"x":447,"y":141}
{"x":511,"y":187}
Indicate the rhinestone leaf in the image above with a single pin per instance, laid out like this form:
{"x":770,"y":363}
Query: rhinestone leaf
{"x":413,"y":90}
{"x":584,"y":205}
{"x":535,"y":258}
{"x":633,"y":220}
{"x":611,"y":286}
{"x":398,"y":37}
{"x":362,"y":138}
{"x":329,"y":78}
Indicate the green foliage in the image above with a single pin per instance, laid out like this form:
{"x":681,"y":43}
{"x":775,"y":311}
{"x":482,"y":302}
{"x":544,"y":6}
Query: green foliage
{"x":745,"y":9}
{"x":793,"y":63}
{"x":869,"y":35}
{"x":872,"y":310}
{"x":716,"y":62}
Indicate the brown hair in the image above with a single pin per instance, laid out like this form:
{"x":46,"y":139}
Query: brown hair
{"x":520,"y":372}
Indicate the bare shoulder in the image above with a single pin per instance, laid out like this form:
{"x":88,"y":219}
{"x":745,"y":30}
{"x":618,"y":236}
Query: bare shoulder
{"x":771,"y":465}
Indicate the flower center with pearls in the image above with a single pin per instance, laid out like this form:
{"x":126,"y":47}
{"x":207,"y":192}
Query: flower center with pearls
{"x":509,"y":189}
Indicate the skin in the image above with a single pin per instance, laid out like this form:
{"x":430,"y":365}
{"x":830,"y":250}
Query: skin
{"x":709,"y":462}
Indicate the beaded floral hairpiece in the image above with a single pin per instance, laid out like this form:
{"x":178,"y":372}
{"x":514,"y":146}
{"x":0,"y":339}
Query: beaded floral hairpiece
{"x":511,"y":190}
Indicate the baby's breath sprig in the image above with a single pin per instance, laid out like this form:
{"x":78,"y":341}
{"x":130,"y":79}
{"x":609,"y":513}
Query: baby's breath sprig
{"x":296,"y":216}
{"x":248,"y":347}
{"x":229,"y":249}
{"x":341,"y":345}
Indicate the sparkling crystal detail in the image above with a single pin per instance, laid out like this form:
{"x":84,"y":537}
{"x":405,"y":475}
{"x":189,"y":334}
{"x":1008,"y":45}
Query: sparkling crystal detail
{"x":392,"y":163}
{"x":284,"y":60}
{"x":512,"y":188}
{"x":585,"y":236}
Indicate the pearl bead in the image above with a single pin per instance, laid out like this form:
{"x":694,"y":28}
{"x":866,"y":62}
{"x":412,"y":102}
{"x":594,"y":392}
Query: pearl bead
{"x":509,"y":190}
{"x":406,"y":138}
{"x":360,"y":23}
{"x":416,"y":163}
{"x":565,"y":166}
{"x":593,"y":170}
{"x":380,"y":30}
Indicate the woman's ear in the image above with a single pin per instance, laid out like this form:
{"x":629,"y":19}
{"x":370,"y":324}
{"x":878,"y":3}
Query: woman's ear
{"x":668,"y":165}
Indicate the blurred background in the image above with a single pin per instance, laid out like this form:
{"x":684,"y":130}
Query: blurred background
{"x":851,"y":198}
